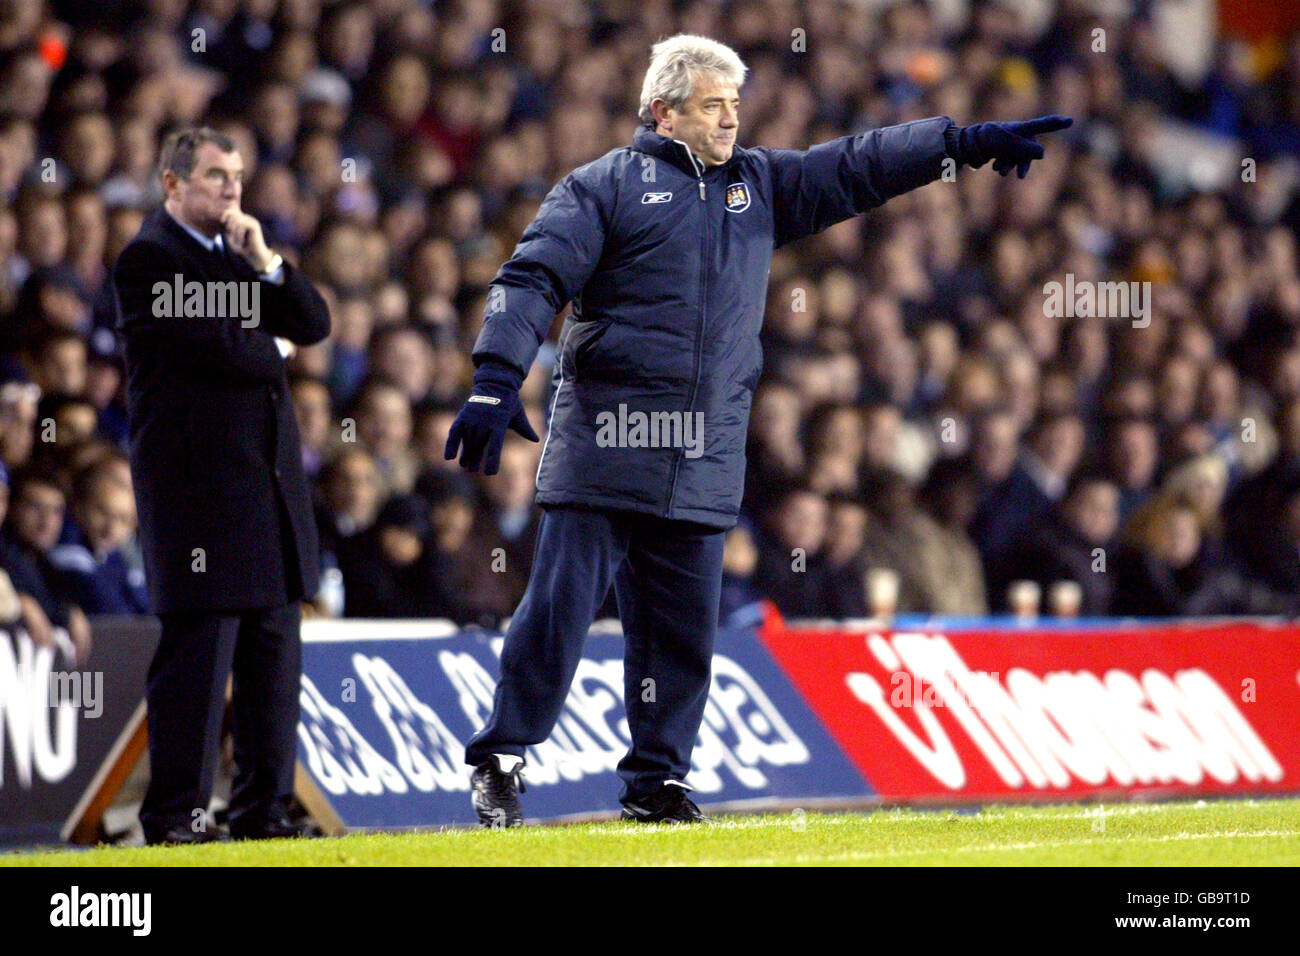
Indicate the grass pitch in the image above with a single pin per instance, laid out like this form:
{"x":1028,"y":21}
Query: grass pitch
{"x":1213,"y":833}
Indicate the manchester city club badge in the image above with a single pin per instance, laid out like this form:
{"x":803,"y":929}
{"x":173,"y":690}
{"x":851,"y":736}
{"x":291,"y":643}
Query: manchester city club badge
{"x":737,"y":197}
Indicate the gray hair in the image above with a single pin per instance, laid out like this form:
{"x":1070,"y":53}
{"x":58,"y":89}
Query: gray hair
{"x":676,"y":64}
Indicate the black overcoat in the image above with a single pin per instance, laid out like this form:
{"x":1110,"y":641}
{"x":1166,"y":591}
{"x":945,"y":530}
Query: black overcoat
{"x":225,"y":510}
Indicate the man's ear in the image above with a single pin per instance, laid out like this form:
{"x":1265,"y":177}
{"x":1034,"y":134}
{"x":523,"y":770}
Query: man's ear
{"x":660,"y":109}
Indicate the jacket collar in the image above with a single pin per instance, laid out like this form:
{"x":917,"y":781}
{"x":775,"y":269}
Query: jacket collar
{"x":164,"y":221}
{"x":676,"y":152}
{"x":207,"y":243}
{"x":178,"y":230}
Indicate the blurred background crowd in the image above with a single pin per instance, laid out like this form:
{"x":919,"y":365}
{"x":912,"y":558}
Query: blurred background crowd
{"x":930,"y":434}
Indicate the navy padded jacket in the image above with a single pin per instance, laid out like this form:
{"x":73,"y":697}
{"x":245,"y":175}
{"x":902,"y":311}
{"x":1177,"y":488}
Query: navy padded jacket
{"x":666,"y":262}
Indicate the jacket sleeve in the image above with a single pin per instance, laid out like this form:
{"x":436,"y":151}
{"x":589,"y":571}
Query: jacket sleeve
{"x":294,"y":310}
{"x":201,"y":341}
{"x":814,"y":189}
{"x":555,"y":257}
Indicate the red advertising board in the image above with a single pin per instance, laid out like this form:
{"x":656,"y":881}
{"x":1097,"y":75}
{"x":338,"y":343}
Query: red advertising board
{"x":995,"y":714}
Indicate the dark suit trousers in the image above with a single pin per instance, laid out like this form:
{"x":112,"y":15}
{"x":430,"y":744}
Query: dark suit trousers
{"x":667,"y":577}
{"x":196,"y":656}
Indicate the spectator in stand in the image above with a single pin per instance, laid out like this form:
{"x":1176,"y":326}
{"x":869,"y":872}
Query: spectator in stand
{"x":19,"y":610}
{"x":18,"y":405}
{"x":433,"y":422}
{"x":846,"y":557}
{"x":914,"y":339}
{"x":96,"y":560}
{"x":739,"y":561}
{"x":792,"y":569}
{"x":66,"y":423}
{"x":53,"y":299}
{"x":775,"y":455}
{"x":1255,"y":533}
{"x":1132,"y":452}
{"x":460,"y":577}
{"x":56,"y":362}
{"x":1054,"y":448}
{"x":902,"y":537}
{"x":403,"y":355}
{"x":380,"y":564}
{"x":31,"y":530}
{"x":950,"y":496}
{"x":1074,"y":544}
{"x":383,"y":427}
{"x":351,"y":494}
{"x":311,"y":402}
{"x":510,"y":521}
{"x":104,"y":380}
{"x":1164,"y":570}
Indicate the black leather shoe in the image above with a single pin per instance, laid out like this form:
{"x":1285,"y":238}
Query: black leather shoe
{"x":275,"y":827}
{"x":180,"y":834}
{"x":669,"y":804}
{"x":495,"y":791}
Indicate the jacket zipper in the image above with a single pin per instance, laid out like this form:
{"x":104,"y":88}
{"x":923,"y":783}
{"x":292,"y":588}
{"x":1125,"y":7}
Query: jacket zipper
{"x":699,"y":330}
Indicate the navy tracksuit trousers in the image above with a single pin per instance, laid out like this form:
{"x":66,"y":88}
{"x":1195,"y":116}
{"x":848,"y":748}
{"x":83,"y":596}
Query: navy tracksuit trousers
{"x":667,"y":577}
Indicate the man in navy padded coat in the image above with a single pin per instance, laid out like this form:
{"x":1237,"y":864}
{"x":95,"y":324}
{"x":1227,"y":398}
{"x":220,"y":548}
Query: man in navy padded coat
{"x":664,"y":249}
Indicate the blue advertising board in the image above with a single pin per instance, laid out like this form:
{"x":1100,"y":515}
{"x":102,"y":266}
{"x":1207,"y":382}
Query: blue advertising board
{"x":388,"y":707}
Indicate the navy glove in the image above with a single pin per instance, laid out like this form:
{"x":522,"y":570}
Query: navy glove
{"x":1009,"y":145}
{"x":493,"y":408}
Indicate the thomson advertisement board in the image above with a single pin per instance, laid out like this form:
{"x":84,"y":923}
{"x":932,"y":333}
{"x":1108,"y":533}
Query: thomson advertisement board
{"x":1110,"y":709}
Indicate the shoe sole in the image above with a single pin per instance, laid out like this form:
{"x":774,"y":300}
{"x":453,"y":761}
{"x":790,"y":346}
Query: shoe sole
{"x":629,"y":815}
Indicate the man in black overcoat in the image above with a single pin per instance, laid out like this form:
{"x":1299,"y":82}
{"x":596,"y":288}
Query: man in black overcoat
{"x":208,"y":314}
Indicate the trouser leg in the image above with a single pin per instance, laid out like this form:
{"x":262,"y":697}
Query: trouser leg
{"x":668,"y":592}
{"x":268,"y":680}
{"x":186,"y":694}
{"x":575,"y":558}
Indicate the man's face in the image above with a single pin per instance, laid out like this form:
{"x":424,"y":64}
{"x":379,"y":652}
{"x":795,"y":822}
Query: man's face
{"x":75,"y":424}
{"x":1137,"y":453}
{"x":707,"y":122}
{"x":407,"y":359}
{"x":62,"y":367}
{"x":801,"y":522}
{"x":311,"y":401}
{"x":384,"y":424}
{"x":452,"y":518}
{"x":355,"y":491}
{"x":108,"y":517}
{"x":216,"y":185}
{"x":1093,"y":512}
{"x":38,"y":515}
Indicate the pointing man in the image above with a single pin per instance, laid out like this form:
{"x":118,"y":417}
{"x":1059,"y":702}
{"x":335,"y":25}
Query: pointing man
{"x":664,"y":248}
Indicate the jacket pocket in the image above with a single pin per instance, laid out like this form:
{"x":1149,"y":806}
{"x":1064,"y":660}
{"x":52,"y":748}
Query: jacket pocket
{"x":581,"y":348}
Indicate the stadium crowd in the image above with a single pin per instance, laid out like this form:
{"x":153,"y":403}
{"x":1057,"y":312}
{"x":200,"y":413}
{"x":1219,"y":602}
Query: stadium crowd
{"x":930,"y":434}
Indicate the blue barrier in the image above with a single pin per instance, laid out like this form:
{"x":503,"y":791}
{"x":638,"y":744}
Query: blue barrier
{"x":387,"y":710}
